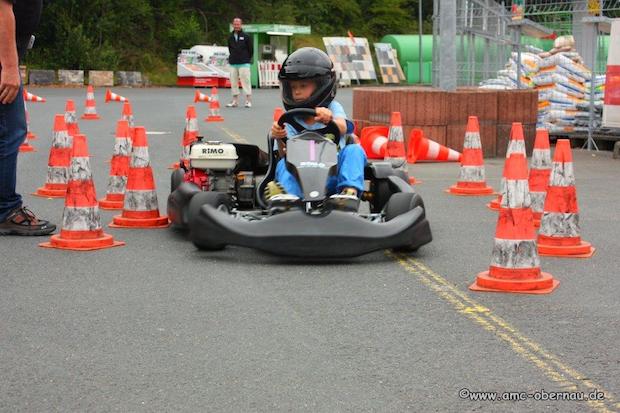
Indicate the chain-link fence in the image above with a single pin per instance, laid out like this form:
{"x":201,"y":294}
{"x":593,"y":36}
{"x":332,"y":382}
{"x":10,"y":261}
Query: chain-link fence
{"x":485,"y":38}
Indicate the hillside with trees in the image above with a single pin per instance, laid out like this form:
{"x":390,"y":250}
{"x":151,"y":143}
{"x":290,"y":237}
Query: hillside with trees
{"x":146,"y":35}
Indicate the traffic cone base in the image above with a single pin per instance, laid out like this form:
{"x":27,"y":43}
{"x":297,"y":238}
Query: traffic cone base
{"x":90,"y":116}
{"x":26,"y":147}
{"x":51,"y":191}
{"x":112,"y":201}
{"x":567,"y":248}
{"x":124,"y":222}
{"x":470,"y":191}
{"x":494,"y":204}
{"x":413,"y":181}
{"x":543,"y":285}
{"x":102,"y":241}
{"x":214,"y":118}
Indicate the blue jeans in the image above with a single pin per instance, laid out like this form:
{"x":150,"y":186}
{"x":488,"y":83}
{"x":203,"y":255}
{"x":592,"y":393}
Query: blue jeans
{"x":351,"y":162}
{"x":12,"y":134}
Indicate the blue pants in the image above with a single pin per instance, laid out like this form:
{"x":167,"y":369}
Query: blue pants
{"x":351,"y":162}
{"x":12,"y":134}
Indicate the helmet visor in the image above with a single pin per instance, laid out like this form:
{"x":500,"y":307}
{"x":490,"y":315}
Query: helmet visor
{"x":305,"y":93}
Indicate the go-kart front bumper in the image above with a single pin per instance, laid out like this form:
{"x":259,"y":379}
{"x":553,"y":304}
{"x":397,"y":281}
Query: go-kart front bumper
{"x":293,"y":233}
{"x":178,"y":202}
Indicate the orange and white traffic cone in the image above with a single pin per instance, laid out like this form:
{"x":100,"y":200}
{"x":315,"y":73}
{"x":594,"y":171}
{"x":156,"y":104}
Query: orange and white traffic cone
{"x":81,"y":222}
{"x":119,"y":168}
{"x":29,"y":133}
{"x":31,"y":97}
{"x":374,"y":141}
{"x":420,"y":148}
{"x":214,"y":107}
{"x":140,"y":208}
{"x":71,"y":118}
{"x":516,"y":144}
{"x":395,"y":149}
{"x":58,"y":162}
{"x":190,"y":135}
{"x":90,"y":110}
{"x":111,"y":96}
{"x":127,"y":114}
{"x":515,"y":264}
{"x":472,"y":177}
{"x":540,"y":169}
{"x":277,"y":113}
{"x":559,"y":233}
{"x":201,"y":97}
{"x":25,"y":145}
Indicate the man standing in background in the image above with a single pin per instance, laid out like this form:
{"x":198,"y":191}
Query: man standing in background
{"x":240,"y":52}
{"x":18,"y":20}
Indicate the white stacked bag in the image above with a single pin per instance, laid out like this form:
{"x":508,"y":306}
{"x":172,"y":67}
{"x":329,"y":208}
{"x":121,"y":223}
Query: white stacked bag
{"x":562,"y":82}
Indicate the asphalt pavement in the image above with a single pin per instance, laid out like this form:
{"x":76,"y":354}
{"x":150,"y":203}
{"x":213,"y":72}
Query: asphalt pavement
{"x":157,"y":325}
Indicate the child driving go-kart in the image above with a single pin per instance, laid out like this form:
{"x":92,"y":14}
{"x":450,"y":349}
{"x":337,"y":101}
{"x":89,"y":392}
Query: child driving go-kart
{"x":308,"y":80}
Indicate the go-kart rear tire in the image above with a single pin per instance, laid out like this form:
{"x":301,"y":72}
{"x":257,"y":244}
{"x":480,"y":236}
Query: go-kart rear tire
{"x":214,"y":199}
{"x":399,"y":204}
{"x":176,"y":179}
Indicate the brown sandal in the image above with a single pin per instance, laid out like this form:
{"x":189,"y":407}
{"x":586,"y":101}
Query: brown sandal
{"x":22,"y":221}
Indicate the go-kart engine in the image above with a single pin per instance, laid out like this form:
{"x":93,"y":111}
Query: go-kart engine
{"x":213,"y":155}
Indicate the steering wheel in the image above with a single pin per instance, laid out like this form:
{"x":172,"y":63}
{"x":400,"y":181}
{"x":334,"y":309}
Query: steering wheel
{"x":289,"y":117}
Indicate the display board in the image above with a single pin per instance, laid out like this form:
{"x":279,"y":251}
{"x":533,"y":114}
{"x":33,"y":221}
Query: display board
{"x":351,"y":57}
{"x":389,"y":66}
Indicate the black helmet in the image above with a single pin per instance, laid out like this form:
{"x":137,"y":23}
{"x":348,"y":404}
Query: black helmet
{"x":308,"y":63}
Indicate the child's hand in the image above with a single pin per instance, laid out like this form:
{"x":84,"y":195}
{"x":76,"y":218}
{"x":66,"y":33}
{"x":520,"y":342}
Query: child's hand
{"x":323,"y":115}
{"x":277,"y":132}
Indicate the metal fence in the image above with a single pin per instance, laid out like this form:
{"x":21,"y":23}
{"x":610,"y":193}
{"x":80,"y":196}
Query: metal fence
{"x":485,"y":38}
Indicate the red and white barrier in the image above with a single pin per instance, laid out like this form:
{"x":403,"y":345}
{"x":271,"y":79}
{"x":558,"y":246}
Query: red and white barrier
{"x":268,"y":73}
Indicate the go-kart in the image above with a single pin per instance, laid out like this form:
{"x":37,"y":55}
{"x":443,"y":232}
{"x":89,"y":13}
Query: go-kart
{"x":218,"y":199}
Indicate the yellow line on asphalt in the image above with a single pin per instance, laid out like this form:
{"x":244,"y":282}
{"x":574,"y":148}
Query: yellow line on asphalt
{"x":568,"y":378}
{"x":235,"y":136}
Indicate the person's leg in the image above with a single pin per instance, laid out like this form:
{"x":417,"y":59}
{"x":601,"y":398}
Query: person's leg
{"x":246,"y":84}
{"x":287,"y":180}
{"x":234,"y":86}
{"x":12,"y":134}
{"x":15,"y":219}
{"x":351,"y":163}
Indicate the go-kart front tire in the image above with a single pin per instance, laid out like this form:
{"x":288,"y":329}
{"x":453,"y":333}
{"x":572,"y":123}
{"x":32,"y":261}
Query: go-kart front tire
{"x":176,"y":179}
{"x":403,"y":202}
{"x":217,"y":200}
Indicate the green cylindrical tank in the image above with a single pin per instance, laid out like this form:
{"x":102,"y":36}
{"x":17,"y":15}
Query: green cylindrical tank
{"x":406,"y":46}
